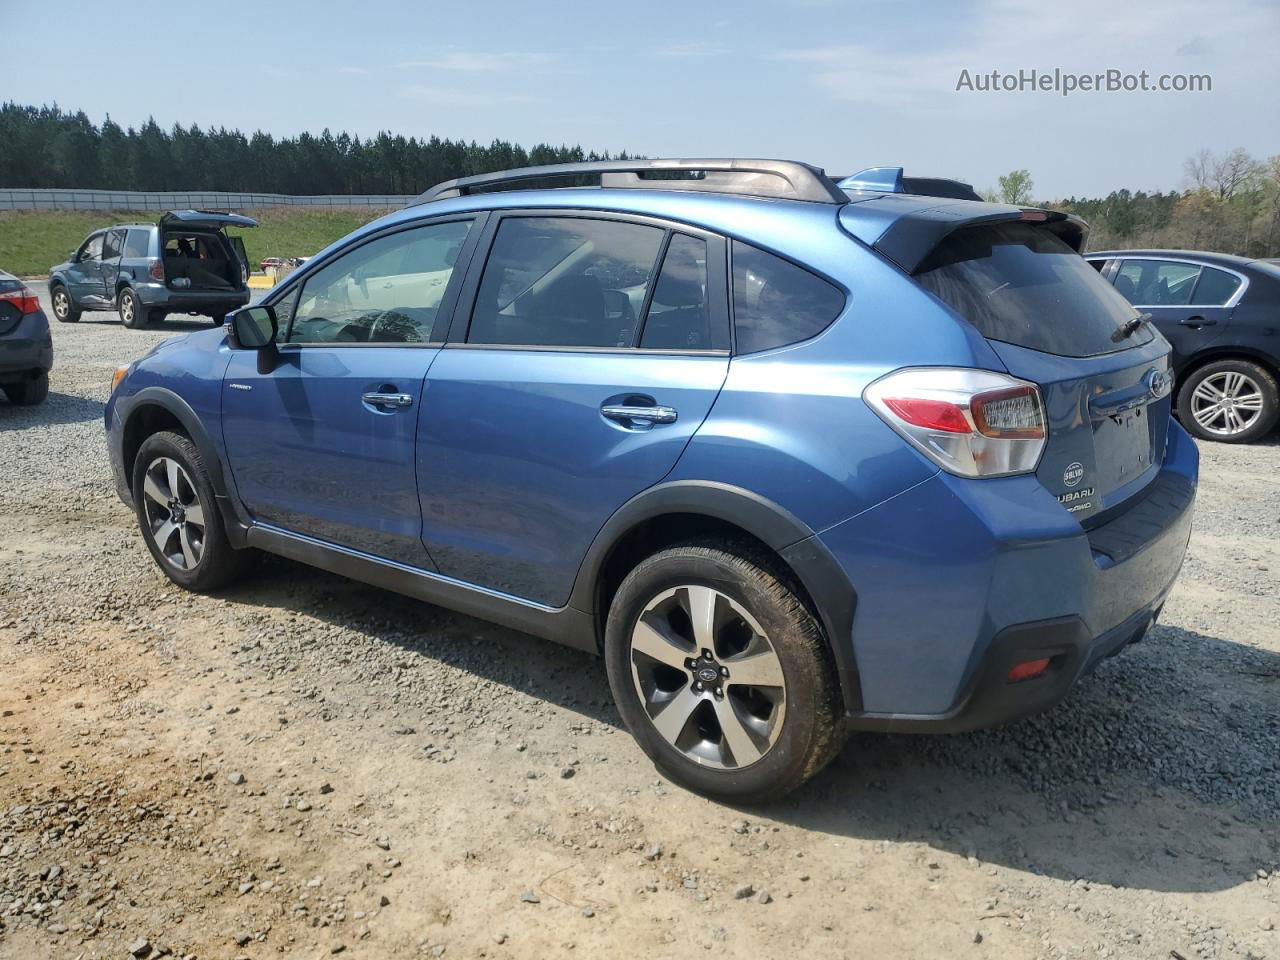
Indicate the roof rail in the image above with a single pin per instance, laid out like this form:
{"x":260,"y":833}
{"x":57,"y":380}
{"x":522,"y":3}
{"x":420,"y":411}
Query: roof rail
{"x":784,"y":179}
{"x":892,"y":180}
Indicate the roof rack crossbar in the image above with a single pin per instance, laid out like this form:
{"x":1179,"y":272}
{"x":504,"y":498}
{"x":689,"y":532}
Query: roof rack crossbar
{"x":784,"y":179}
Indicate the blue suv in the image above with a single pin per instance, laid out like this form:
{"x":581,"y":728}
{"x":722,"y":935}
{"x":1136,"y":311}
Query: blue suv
{"x":798,"y":456}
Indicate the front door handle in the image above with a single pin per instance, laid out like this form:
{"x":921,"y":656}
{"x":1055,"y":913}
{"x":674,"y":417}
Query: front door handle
{"x":388,"y":399}
{"x":1198,"y":322}
{"x":648,"y":414}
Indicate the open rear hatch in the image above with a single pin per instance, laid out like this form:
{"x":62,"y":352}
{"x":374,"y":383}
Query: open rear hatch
{"x":1103,"y":372}
{"x":198,"y":252}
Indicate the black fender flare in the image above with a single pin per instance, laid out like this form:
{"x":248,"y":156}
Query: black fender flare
{"x":794,"y":541}
{"x":236,"y":520}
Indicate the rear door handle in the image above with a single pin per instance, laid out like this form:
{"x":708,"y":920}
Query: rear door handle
{"x":1198,"y":322}
{"x":647,"y":414}
{"x":388,"y":399}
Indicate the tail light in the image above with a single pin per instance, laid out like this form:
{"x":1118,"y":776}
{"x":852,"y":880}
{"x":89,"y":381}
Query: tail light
{"x":23,"y":299}
{"x":156,"y":270}
{"x":973,"y":423}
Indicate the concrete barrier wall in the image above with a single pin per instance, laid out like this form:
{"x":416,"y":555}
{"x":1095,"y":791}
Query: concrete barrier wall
{"x":49,"y":199}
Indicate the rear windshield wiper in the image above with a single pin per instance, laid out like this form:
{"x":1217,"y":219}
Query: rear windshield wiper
{"x":1130,"y":327}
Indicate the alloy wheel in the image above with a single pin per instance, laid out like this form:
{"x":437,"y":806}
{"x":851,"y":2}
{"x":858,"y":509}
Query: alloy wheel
{"x":126,"y":309}
{"x":174,"y":513}
{"x":1226,"y":403}
{"x":708,"y":677}
{"x":61,"y":305}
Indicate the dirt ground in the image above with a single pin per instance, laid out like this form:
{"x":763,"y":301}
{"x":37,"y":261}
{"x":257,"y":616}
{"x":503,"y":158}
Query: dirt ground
{"x":304,"y":766}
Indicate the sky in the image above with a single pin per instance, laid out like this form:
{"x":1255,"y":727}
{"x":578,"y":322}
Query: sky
{"x":844,"y":85}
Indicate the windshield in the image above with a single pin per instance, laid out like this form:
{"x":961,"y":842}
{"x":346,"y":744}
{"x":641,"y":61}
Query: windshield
{"x":1021,"y":284}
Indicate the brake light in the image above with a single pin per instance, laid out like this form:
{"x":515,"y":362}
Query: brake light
{"x":973,"y":423}
{"x":156,"y":270}
{"x":24,"y":300}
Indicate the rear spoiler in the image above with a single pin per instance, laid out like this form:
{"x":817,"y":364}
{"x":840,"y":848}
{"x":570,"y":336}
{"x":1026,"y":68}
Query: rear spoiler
{"x":903,"y":231}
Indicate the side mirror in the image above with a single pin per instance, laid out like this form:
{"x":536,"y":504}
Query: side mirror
{"x":255,"y":328}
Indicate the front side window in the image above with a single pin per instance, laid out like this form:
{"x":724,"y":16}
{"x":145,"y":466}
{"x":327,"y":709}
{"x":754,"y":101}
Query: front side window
{"x":566,"y":282}
{"x":776,"y":302}
{"x":1215,"y":288}
{"x":1157,"y":283}
{"x":385,"y":291}
{"x":92,"y":249}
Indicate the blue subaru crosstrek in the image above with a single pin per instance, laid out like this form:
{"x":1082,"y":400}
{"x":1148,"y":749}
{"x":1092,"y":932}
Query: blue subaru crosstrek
{"x":798,"y":456}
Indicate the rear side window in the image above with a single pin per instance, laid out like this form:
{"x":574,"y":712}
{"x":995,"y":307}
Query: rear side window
{"x":678,"y":317}
{"x":136,"y":244}
{"x":565,"y":282}
{"x":112,"y":245}
{"x":1020,"y":284}
{"x":1157,"y":283}
{"x":776,"y":302}
{"x":1215,"y":288}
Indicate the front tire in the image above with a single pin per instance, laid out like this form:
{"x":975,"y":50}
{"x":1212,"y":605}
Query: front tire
{"x":722,"y":674}
{"x":28,"y":393}
{"x":179,"y":516}
{"x":1231,"y":401}
{"x":64,"y":308}
{"x":133,"y":314}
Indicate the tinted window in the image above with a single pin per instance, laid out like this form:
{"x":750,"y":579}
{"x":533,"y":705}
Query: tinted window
{"x":385,"y":291}
{"x":678,"y":318}
{"x":776,"y":303}
{"x":112,"y":245}
{"x":1215,"y":287}
{"x":137,"y":243}
{"x":1020,"y":284}
{"x":568,"y":282}
{"x":92,"y":249}
{"x":1157,"y":283}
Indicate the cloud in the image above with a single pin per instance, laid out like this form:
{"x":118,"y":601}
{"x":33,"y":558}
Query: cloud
{"x":459,"y":97}
{"x":462,"y":61}
{"x":696,"y":48}
{"x":1195,"y":47}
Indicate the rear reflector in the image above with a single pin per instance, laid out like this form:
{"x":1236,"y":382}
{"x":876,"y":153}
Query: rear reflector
{"x":1028,"y":669}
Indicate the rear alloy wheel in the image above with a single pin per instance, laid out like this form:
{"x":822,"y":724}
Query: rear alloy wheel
{"x":132,"y":313}
{"x":1232,"y":401}
{"x":179,"y":514}
{"x":721,"y":674}
{"x":63,"y":309}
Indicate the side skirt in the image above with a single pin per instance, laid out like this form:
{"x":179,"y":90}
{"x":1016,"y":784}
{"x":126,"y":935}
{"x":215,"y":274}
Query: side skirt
{"x":564,"y":625}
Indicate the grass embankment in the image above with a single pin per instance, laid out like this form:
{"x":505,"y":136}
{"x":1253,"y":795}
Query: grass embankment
{"x":31,"y":241}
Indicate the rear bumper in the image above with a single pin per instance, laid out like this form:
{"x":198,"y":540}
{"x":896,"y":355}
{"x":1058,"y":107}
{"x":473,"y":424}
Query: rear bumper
{"x":157,"y":295}
{"x":27,"y":349}
{"x":958,"y":581}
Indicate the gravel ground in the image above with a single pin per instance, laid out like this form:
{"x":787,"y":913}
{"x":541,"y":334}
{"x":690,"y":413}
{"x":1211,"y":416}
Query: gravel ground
{"x":305,"y":766}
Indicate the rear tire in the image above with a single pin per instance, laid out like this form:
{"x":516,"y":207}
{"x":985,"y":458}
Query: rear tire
{"x":756,"y":718}
{"x":133,"y":314}
{"x":28,"y":393}
{"x":179,"y":516}
{"x":64,"y":308}
{"x":1230,"y":401}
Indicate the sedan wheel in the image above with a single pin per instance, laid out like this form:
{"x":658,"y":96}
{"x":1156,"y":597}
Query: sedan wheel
{"x":174,"y":513}
{"x":1226,"y":404}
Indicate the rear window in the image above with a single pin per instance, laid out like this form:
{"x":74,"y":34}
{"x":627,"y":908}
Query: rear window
{"x":1021,"y":284}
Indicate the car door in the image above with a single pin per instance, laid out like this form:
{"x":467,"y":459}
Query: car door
{"x":84,"y":272}
{"x":112,"y":248}
{"x":586,"y":352}
{"x":323,"y":445}
{"x":1170,"y":291}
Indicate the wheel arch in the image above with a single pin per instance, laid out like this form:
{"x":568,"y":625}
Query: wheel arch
{"x":1227,"y":352}
{"x":154,"y":409}
{"x":682,"y":510}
